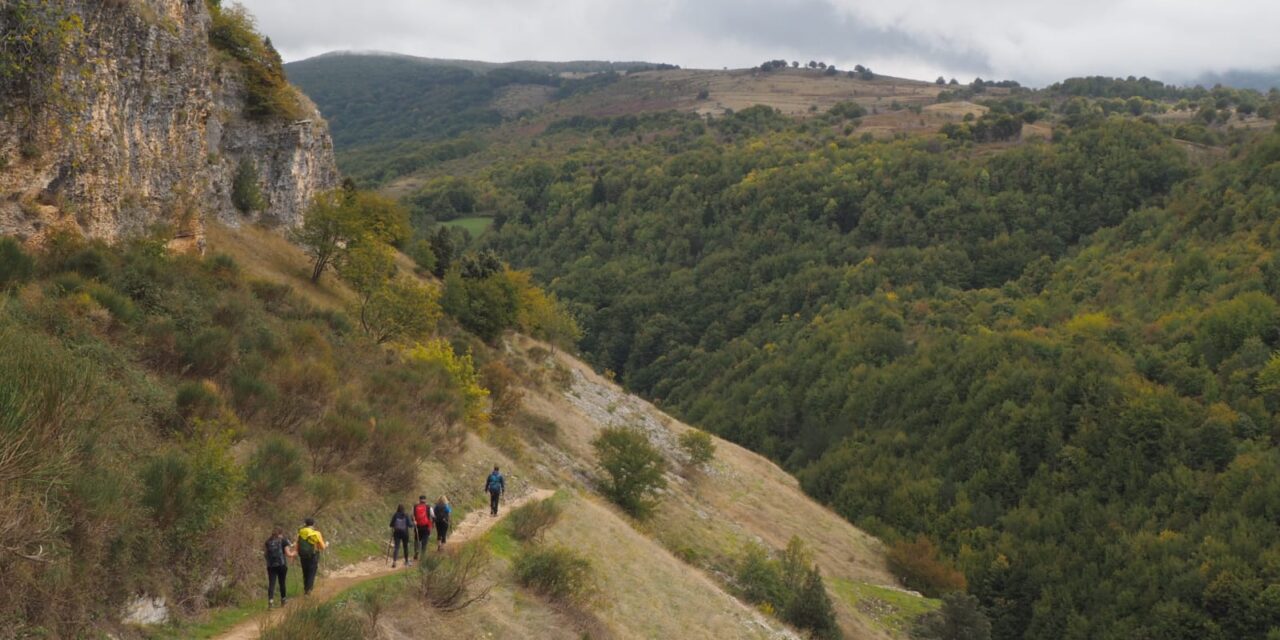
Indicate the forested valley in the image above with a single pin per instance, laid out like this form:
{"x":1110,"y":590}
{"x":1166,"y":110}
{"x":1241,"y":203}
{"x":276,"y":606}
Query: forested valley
{"x":1041,"y":367}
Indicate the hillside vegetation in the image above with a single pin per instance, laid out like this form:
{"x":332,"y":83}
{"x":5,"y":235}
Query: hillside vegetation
{"x":1031,"y":347}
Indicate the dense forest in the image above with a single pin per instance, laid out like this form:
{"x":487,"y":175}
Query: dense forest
{"x":1045,"y":368}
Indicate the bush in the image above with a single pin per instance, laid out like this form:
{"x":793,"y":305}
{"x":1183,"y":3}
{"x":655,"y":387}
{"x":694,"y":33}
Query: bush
{"x":918,"y":566}
{"x":268,"y":94}
{"x":960,"y":618}
{"x":197,"y":401}
{"x":423,"y":256}
{"x":558,"y":573}
{"x":791,"y":586}
{"x":207,"y":352}
{"x":16,"y":267}
{"x":320,"y":621}
{"x":120,"y":307}
{"x":250,"y":393}
{"x":448,"y":581}
{"x":335,"y":441}
{"x":530,"y":521}
{"x":401,"y":309}
{"x":275,"y":466}
{"x":634,"y":469}
{"x":393,"y":456}
{"x":246,"y":193}
{"x":699,"y":445}
{"x":329,"y":491}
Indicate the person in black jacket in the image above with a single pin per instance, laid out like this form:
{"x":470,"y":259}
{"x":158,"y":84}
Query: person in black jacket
{"x":401,"y":524}
{"x":277,"y":551}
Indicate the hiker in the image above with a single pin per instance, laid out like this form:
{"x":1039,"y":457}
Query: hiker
{"x":495,"y":486}
{"x":400,"y":525}
{"x":422,"y":526}
{"x":277,"y":550}
{"x":310,"y":544}
{"x":440,"y":515}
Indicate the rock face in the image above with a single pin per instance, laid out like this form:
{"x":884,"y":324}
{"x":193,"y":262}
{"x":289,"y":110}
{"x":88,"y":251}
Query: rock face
{"x":152,"y":130}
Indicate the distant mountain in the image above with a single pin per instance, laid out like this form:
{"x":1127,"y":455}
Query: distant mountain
{"x":1241,"y":79}
{"x":572,"y":66}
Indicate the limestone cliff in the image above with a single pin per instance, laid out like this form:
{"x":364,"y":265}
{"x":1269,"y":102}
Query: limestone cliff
{"x":147,"y":124}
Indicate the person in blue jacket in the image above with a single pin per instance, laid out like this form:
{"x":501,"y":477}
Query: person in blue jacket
{"x":495,"y":486}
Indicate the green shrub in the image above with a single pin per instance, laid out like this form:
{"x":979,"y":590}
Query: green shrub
{"x":223,"y":267}
{"x":190,"y":491}
{"x":16,"y":267}
{"x":320,"y":621}
{"x":530,"y":521}
{"x":93,"y":262}
{"x":268,"y":93}
{"x":449,"y":582}
{"x":634,"y":468}
{"x":329,"y":490}
{"x":544,"y":428}
{"x":65,"y":283}
{"x":250,"y":394}
{"x":960,"y":618}
{"x":246,"y":193}
{"x":274,"y":296}
{"x":790,"y":585}
{"x":393,"y":455}
{"x":699,"y":446}
{"x":208,"y":351}
{"x":276,"y":465}
{"x":335,"y":441}
{"x":197,"y":401}
{"x":423,"y":256}
{"x":120,"y":306}
{"x":558,"y":573}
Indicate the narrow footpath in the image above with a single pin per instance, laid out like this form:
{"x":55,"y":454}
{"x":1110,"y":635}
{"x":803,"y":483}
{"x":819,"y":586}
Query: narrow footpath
{"x":330,"y":585}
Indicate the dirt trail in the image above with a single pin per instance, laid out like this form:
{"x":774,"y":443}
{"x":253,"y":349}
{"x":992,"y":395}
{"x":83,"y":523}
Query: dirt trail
{"x":330,"y":585}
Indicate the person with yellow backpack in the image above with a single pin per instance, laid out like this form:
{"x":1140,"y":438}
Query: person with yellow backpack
{"x":310,"y":544}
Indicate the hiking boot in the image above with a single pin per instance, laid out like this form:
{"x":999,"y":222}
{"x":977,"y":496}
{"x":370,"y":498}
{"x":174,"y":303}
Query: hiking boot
{"x":393,"y":565}
{"x":270,"y":603}
{"x":284,"y":601}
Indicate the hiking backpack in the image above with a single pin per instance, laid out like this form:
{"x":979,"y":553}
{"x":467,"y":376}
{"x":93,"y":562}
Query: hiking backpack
{"x":495,"y":483}
{"x":306,"y":550}
{"x":420,"y":515}
{"x":401,"y":523}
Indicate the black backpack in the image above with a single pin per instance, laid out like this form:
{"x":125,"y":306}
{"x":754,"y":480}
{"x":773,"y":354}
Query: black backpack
{"x":275,"y":552}
{"x":441,"y":514}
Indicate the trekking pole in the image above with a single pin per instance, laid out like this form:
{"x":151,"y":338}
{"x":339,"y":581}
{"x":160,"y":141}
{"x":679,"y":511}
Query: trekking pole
{"x":390,"y":545}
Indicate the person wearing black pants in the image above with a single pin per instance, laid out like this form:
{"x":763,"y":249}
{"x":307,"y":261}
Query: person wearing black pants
{"x":495,"y":485}
{"x":440,"y":515}
{"x":310,"y":544}
{"x":422,"y":526}
{"x":277,"y":550}
{"x":400,"y":526}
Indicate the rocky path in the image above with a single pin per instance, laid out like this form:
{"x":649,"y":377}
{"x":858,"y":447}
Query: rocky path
{"x":331,"y":585}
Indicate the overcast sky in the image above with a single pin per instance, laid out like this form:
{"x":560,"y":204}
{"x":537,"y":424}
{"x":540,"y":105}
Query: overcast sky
{"x":1033,"y":41}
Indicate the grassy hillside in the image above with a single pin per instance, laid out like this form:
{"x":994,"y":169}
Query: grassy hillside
{"x":213,"y":393}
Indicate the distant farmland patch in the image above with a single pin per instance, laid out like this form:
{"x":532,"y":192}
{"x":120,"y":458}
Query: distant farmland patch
{"x":475,"y":225}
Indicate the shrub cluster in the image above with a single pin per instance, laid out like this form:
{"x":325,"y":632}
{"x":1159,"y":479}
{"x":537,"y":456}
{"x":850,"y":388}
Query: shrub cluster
{"x":97,"y":482}
{"x":789,"y":586}
{"x":558,"y":573}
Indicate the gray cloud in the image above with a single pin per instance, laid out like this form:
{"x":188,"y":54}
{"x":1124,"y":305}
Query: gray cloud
{"x":1034,"y":41}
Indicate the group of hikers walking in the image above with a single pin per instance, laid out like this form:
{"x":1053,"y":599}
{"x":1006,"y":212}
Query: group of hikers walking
{"x":425,"y":517}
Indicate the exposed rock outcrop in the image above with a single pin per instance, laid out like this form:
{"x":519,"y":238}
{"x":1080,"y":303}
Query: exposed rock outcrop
{"x":151,"y":128}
